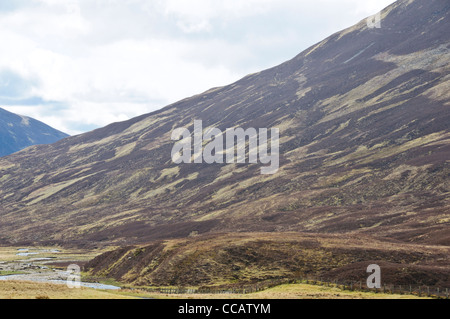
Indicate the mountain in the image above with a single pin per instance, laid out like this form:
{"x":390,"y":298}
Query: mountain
{"x":18,"y":132}
{"x":364,"y":151}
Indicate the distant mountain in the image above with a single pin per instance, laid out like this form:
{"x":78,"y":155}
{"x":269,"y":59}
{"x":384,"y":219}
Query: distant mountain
{"x":364,"y":123}
{"x":18,"y":132}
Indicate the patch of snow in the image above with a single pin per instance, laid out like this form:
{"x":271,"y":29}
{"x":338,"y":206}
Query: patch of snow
{"x":358,"y":54}
{"x":25,"y":121}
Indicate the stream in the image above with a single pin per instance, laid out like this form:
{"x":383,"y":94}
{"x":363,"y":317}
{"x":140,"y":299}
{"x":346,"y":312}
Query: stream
{"x":35,"y":269}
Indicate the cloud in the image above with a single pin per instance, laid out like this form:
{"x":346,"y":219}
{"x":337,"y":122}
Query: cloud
{"x":82,"y":64}
{"x":13,"y":85}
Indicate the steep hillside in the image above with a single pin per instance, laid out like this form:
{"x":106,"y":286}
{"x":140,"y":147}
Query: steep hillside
{"x":365,"y":143}
{"x":18,"y":132}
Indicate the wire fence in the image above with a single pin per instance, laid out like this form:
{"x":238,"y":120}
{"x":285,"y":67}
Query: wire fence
{"x":412,"y":290}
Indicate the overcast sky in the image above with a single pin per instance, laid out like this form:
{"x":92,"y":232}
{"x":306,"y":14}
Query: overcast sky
{"x":82,"y":64}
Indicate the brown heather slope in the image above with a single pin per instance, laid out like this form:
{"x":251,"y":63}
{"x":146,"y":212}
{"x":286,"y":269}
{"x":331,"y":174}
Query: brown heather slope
{"x":365,"y":142}
{"x":242,"y":259}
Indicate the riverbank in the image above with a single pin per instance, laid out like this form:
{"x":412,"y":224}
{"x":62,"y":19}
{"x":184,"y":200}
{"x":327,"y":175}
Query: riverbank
{"x":44,"y":265}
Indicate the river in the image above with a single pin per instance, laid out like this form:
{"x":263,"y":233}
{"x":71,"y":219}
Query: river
{"x":34,"y":269}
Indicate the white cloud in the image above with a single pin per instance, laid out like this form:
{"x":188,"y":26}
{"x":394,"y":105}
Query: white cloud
{"x":89,"y":63}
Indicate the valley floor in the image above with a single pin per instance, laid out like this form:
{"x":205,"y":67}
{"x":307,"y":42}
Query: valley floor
{"x":34,"y":290}
{"x":37,"y":290}
{"x":30,"y":272}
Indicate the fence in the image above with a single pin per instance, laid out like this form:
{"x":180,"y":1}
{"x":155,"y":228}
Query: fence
{"x":413,"y":290}
{"x":416,"y":290}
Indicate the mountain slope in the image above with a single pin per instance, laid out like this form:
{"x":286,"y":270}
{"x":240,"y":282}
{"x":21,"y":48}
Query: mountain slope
{"x":18,"y":132}
{"x":364,"y":126}
{"x":238,"y":259}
